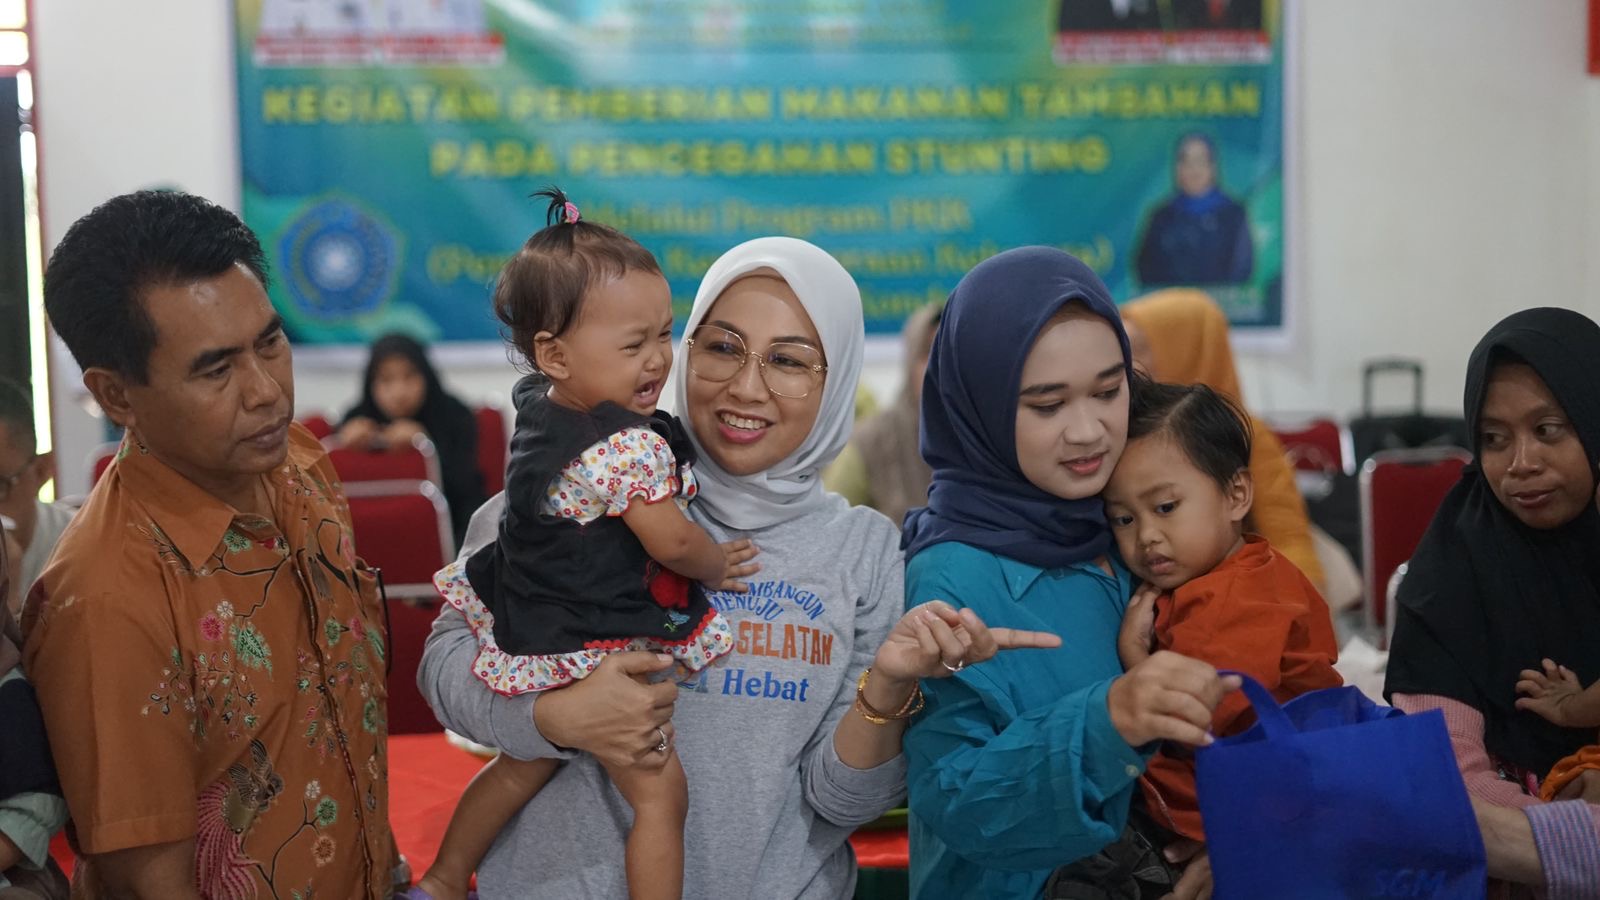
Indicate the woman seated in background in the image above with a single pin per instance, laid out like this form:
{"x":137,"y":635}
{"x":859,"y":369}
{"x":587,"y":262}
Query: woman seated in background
{"x":1181,"y":336}
{"x":1507,"y":576}
{"x":882,"y":466}
{"x":401,"y":397}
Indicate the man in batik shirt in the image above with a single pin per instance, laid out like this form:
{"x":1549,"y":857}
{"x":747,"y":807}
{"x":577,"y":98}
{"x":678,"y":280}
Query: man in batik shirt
{"x":207,"y":649}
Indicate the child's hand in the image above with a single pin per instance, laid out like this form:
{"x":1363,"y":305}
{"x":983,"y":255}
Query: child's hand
{"x":738,"y":555}
{"x":1584,"y":786}
{"x":1550,"y":693}
{"x":1138,"y":627}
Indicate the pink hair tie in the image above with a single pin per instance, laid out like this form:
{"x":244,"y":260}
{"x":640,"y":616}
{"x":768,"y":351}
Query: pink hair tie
{"x":571,"y":210}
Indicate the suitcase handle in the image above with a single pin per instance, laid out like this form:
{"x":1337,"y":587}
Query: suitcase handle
{"x":1382,"y":366}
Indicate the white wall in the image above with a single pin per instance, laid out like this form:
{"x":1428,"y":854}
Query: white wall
{"x":1448,"y":175}
{"x":127,"y":96}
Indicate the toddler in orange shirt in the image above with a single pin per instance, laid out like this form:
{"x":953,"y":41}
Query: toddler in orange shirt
{"x":1178,"y":504}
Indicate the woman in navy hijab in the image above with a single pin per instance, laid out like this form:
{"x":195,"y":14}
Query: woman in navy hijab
{"x":1028,"y":762}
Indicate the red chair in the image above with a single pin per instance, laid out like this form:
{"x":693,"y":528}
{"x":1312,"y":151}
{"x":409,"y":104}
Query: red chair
{"x":100,"y":459}
{"x":493,"y":447}
{"x":1315,"y":445}
{"x":410,"y":623}
{"x":1391,"y":594}
{"x":318,"y":425}
{"x":1400,"y":491}
{"x":419,"y":462}
{"x":402,"y":528}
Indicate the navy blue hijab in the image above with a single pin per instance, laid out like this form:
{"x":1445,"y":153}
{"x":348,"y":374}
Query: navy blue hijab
{"x":979,"y":495}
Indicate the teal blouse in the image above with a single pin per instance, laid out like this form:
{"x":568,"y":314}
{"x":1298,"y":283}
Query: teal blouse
{"x":1015,"y":768}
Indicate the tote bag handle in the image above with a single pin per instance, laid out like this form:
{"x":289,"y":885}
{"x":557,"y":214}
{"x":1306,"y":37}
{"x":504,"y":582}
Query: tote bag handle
{"x":1269,"y":714}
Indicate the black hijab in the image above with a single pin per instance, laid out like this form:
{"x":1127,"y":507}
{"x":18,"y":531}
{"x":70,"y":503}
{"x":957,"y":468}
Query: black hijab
{"x":1487,"y":596}
{"x":450,"y":425}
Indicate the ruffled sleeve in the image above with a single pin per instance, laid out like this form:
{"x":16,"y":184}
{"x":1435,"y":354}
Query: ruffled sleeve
{"x":635,"y":463}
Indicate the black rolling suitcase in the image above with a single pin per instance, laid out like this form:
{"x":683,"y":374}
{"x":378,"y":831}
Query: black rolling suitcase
{"x":1371,"y":432}
{"x":1338,"y":512}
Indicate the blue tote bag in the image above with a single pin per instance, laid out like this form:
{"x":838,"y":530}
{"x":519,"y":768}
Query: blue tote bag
{"x":1333,"y":796}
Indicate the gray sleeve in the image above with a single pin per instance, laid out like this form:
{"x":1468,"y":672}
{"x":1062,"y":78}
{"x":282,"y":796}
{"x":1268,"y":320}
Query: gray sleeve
{"x":462,"y":702}
{"x":840,"y":794}
{"x":30,"y":820}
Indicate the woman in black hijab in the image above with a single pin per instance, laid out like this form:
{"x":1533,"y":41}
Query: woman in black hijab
{"x":402,"y":397}
{"x":1508,"y":573}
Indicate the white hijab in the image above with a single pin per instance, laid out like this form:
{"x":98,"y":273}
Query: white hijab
{"x":792,"y":487}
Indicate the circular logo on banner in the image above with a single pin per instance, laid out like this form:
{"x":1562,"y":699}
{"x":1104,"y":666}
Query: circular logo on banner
{"x":339,"y":260}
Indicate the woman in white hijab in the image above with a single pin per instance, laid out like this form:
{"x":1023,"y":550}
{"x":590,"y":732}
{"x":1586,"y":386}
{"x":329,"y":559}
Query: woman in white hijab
{"x":790,"y":742}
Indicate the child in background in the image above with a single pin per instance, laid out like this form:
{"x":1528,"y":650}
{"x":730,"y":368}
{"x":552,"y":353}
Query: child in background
{"x":1555,"y":693}
{"x":591,"y":559}
{"x":1177,"y":503}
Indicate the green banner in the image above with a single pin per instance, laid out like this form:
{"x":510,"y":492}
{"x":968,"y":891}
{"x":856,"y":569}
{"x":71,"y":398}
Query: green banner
{"x":389,"y":146}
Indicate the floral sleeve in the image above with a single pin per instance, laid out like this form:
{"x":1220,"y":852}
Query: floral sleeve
{"x":635,"y":463}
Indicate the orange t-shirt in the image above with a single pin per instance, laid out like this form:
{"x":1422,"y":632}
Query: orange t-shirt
{"x":215,"y":676}
{"x":1255,"y":613}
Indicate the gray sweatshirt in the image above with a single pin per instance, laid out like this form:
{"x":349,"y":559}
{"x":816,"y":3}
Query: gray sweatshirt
{"x":771,"y":805}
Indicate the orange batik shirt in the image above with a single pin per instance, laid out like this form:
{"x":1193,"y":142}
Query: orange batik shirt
{"x":213,"y":675}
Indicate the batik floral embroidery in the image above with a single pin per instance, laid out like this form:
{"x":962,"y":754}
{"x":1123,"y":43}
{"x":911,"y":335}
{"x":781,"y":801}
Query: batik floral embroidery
{"x":227,"y":810}
{"x":212,"y":692}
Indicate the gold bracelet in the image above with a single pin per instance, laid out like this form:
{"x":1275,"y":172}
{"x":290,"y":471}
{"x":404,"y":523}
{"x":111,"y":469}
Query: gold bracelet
{"x":913,"y":704}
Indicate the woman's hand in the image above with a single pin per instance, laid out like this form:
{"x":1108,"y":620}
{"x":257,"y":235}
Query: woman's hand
{"x":1195,"y":882}
{"x":1167,"y":697}
{"x":616,"y":714}
{"x":1508,"y":843}
{"x":399,"y":434}
{"x":1551,"y":693}
{"x":1138,"y":627}
{"x":934,"y":640}
{"x":356,"y":434}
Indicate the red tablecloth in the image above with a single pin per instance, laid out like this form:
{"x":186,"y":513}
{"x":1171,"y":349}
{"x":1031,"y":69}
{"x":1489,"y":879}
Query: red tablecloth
{"x":427,"y":775}
{"x":426,"y":778}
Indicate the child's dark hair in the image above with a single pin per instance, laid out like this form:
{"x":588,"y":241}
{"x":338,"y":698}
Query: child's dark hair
{"x":541,"y":288}
{"x":1213,"y":431}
